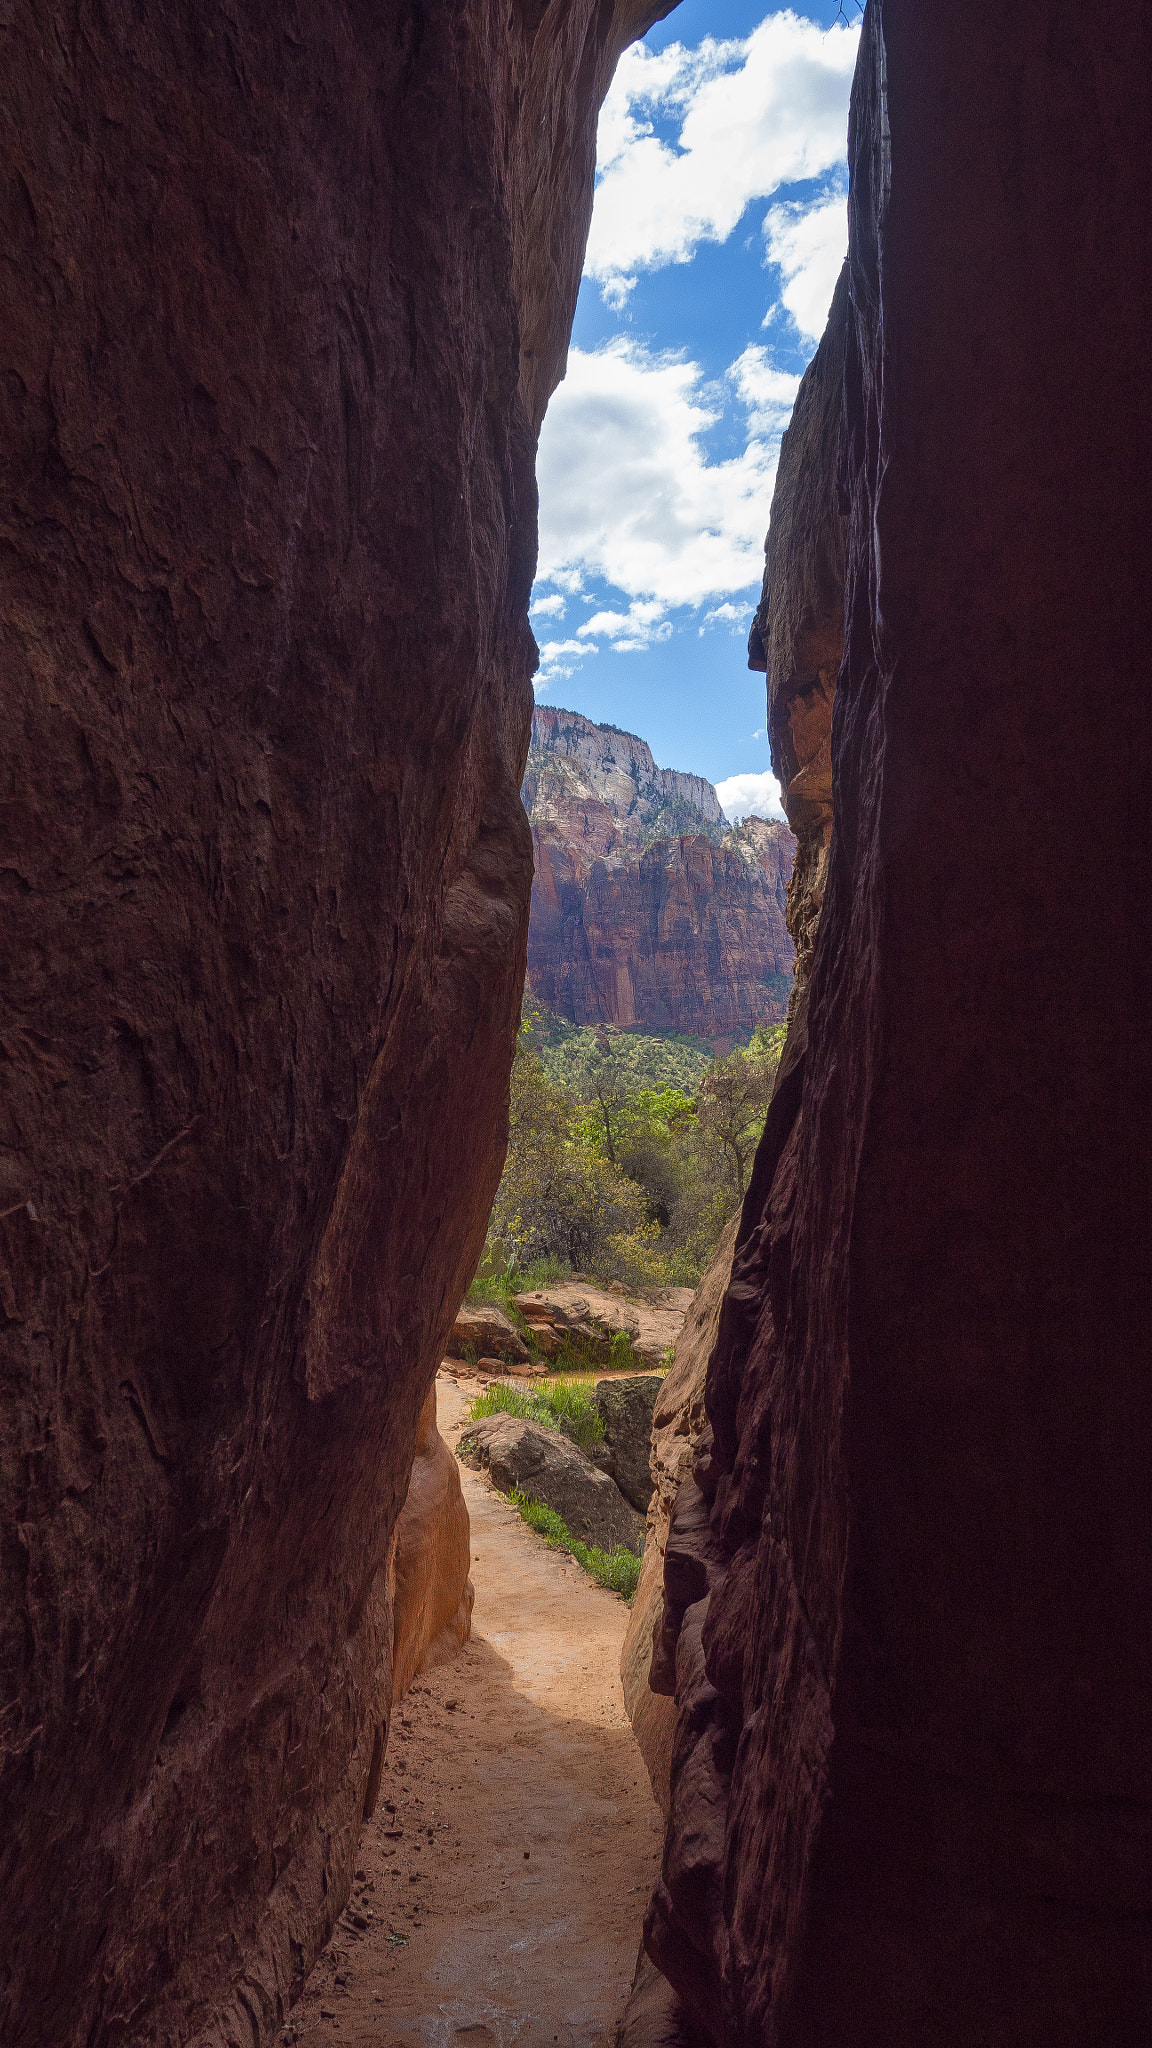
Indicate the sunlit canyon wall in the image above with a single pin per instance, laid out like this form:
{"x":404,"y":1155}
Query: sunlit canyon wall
{"x":285,"y":292}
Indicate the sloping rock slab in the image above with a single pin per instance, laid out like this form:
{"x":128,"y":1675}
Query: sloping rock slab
{"x":552,"y":1321}
{"x":485,"y":1327}
{"x":548,"y":1468}
{"x":625,"y":1407}
{"x":654,"y":2016}
{"x":432,"y":1593}
{"x":595,"y":1314}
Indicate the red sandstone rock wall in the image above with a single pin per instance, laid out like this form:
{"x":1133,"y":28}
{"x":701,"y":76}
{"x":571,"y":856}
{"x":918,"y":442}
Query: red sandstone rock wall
{"x":284,"y":293}
{"x":912,"y":1788}
{"x":689,"y":937}
{"x":647,"y":908}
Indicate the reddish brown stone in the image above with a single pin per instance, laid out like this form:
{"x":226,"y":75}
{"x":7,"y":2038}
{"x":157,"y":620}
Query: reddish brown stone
{"x":647,"y":909}
{"x":432,"y":1593}
{"x":689,"y":937}
{"x":284,"y":293}
{"x":922,"y":1702}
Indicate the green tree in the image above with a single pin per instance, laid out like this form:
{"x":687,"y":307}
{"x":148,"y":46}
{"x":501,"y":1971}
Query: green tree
{"x":733,"y":1103}
{"x":558,"y":1196}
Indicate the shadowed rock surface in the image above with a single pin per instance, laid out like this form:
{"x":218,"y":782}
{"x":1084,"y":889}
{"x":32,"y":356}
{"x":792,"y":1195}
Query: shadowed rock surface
{"x":485,"y":1328}
{"x":431,"y":1591}
{"x":284,"y":295}
{"x":678,"y":1425}
{"x":906,"y":1596}
{"x":625,"y":1408}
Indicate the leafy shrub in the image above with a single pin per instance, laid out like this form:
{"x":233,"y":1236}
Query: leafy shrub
{"x":496,"y":1280}
{"x":641,"y":1258}
{"x":572,"y":1055}
{"x":634,"y":1181}
{"x":618,"y":1569}
{"x":622,"y":1358}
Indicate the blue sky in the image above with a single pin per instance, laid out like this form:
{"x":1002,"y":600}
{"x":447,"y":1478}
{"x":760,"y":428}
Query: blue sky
{"x":718,"y":229}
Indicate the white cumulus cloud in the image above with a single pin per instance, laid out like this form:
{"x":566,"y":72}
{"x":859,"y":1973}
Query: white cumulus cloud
{"x":768,"y":394}
{"x":551,"y":607}
{"x":558,"y":658}
{"x":632,"y":631}
{"x":750,"y":795}
{"x":753,"y":115}
{"x":809,"y":244}
{"x":627,"y":492}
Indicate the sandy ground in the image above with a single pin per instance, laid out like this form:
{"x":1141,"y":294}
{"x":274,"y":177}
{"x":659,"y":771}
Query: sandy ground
{"x":507,"y":1869}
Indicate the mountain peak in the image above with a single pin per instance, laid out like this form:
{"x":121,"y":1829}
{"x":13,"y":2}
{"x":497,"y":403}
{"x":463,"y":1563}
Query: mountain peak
{"x":648,"y":909}
{"x":571,"y":759}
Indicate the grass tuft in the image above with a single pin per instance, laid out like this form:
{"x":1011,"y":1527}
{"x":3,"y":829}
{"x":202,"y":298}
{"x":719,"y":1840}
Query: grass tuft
{"x":618,"y":1569}
{"x":504,"y":1287}
{"x":556,"y":1404}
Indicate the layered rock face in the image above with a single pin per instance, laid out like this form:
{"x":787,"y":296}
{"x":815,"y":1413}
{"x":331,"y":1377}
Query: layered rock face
{"x":907,"y":1590}
{"x":646,"y":908}
{"x":575,"y":767}
{"x":283,"y":298}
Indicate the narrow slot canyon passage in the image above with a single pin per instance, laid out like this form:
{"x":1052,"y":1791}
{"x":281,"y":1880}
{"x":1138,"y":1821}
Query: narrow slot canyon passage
{"x":292,"y":556}
{"x":508,"y":1865}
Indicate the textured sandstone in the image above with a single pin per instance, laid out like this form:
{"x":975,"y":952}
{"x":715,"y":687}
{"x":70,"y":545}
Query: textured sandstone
{"x":625,"y":1406}
{"x":678,"y":1424}
{"x":912,"y":1785}
{"x":593,"y":1315}
{"x":613,"y":779}
{"x":484,"y":1326}
{"x":798,"y":629}
{"x":689,"y":937}
{"x":646,"y":909}
{"x":431,"y":1591}
{"x":284,"y":294}
{"x":548,"y":1468}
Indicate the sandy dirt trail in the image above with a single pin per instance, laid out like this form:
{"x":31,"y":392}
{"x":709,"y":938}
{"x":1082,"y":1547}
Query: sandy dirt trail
{"x":507,"y":1869}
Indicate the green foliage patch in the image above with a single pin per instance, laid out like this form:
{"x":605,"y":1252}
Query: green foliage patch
{"x":615,"y":1178}
{"x":560,"y":1404}
{"x":497,"y":1281}
{"x":618,"y":1569}
{"x":571,"y":1053}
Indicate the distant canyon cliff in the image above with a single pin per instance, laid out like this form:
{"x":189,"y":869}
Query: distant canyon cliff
{"x":647,"y":908}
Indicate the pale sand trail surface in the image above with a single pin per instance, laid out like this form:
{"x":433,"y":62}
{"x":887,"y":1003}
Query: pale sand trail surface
{"x":472,"y":1943}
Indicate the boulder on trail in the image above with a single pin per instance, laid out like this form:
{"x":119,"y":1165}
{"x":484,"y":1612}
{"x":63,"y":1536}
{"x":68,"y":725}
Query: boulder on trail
{"x":593,"y":1315}
{"x":552,"y":1322}
{"x":549,"y":1468}
{"x":485,"y":1328}
{"x":625,"y":1408}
